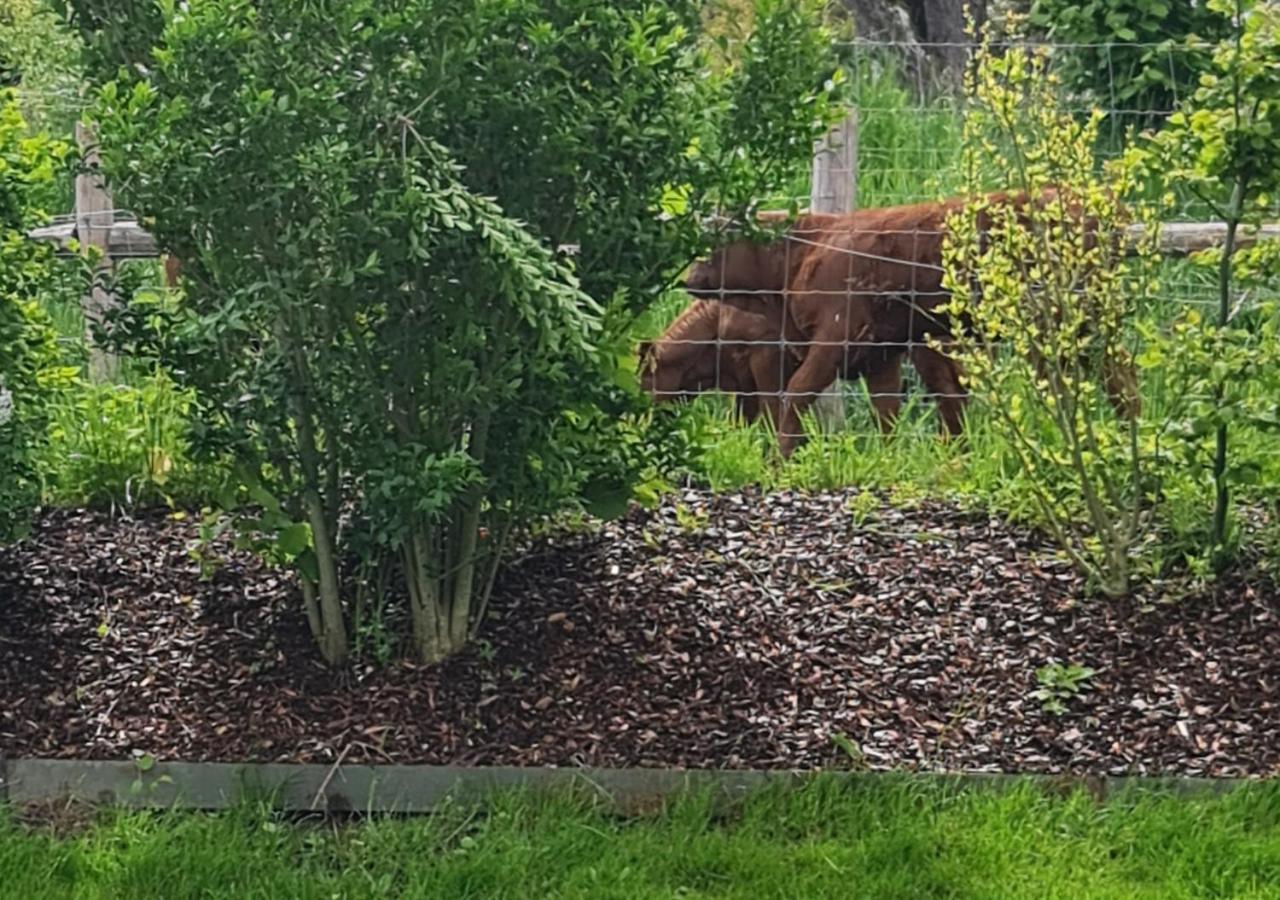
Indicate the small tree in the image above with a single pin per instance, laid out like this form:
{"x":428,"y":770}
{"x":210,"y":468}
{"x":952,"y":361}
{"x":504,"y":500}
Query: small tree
{"x":1224,"y":146}
{"x":29,"y":358}
{"x":1046,"y":293}
{"x":406,"y":370}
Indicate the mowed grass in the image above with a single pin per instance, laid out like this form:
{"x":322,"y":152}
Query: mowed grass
{"x":883,"y":840}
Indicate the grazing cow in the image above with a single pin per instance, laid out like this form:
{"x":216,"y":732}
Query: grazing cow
{"x":738,"y":345}
{"x":862,"y":281}
{"x":735,"y":346}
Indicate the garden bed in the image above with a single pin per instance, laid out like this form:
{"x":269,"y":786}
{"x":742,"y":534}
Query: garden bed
{"x":739,"y":630}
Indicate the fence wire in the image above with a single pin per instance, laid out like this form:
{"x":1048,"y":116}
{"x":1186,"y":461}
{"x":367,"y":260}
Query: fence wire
{"x":732,"y":336}
{"x":909,"y":109}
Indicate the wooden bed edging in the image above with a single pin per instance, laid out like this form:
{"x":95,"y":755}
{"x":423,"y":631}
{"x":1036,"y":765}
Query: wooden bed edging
{"x":417,"y":789}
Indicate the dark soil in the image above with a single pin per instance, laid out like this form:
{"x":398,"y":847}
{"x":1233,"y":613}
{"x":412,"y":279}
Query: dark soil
{"x":743,"y":631}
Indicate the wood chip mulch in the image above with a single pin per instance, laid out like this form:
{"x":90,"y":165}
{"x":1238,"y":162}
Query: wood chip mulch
{"x":741,"y":630}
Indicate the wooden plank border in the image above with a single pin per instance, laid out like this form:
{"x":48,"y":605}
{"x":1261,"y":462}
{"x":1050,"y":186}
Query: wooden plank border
{"x":420,"y":789}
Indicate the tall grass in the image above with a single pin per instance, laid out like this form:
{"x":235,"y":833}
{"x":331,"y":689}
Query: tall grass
{"x":876,"y":840}
{"x":124,"y":445}
{"x":908,"y":140}
{"x":121,"y":444}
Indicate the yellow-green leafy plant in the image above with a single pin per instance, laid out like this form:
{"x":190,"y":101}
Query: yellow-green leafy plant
{"x":1044,"y":286}
{"x":1223,"y":147}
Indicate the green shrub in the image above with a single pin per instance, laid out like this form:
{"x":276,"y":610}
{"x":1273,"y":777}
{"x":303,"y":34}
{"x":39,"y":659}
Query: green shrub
{"x":399,"y":366}
{"x":30,"y":372}
{"x":1047,"y":297}
{"x":1223,"y":145}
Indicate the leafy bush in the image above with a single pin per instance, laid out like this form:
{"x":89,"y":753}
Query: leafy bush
{"x":401,"y":368}
{"x":1224,"y":146}
{"x":29,"y":361}
{"x":1134,"y":55}
{"x":1047,"y":297}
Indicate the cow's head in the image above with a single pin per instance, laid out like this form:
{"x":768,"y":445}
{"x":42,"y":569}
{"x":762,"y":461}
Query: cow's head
{"x":677,"y":372}
{"x":742,"y":267}
{"x":686,"y":362}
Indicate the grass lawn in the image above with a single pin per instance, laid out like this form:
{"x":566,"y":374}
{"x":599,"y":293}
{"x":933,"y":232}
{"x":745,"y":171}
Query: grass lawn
{"x":885,"y":840}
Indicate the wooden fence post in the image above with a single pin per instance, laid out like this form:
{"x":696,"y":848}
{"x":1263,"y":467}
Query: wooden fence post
{"x":95,"y":216}
{"x":833,"y":188}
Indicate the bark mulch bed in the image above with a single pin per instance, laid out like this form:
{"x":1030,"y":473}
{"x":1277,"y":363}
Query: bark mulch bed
{"x":743,"y":630}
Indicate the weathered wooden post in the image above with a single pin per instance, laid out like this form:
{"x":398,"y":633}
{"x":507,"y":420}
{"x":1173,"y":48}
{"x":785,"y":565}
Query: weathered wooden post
{"x":95,"y":216}
{"x":833,"y":188}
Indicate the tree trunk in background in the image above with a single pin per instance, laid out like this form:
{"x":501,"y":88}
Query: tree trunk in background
{"x":919,"y":26}
{"x":941,"y":22}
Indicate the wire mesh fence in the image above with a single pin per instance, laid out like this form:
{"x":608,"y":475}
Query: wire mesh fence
{"x":759,"y":325}
{"x":742,"y":339}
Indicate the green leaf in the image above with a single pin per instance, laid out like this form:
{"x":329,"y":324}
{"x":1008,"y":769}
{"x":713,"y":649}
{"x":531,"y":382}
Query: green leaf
{"x":294,"y":539}
{"x":307,"y":566}
{"x":606,"y":499}
{"x":675,"y":200}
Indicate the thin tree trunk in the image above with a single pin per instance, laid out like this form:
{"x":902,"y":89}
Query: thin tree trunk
{"x":1222,"y":496}
{"x":424,"y":599}
{"x":464,"y":582}
{"x":333,"y":632}
{"x":312,"y":607}
{"x":333,"y":640}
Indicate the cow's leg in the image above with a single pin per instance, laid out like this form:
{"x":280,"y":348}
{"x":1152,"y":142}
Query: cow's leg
{"x":884,"y":384}
{"x":821,"y":366}
{"x":770,"y":370}
{"x":941,"y":375}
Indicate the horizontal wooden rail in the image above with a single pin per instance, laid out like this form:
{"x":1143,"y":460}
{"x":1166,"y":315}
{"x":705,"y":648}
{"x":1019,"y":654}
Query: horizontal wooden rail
{"x":129,"y":240}
{"x":126,"y":240}
{"x":417,"y":789}
{"x":1190,"y":237}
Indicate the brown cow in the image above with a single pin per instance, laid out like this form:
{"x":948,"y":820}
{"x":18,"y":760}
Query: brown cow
{"x":865,"y":280}
{"x":737,"y":345}
{"x":765,"y":271}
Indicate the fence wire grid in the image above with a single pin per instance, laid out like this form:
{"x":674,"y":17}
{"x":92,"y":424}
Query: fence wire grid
{"x":909,"y":111}
{"x":730,"y":337}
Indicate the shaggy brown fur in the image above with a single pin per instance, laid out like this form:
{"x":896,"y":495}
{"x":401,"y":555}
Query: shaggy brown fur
{"x":703,"y":350}
{"x":853,"y":285}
